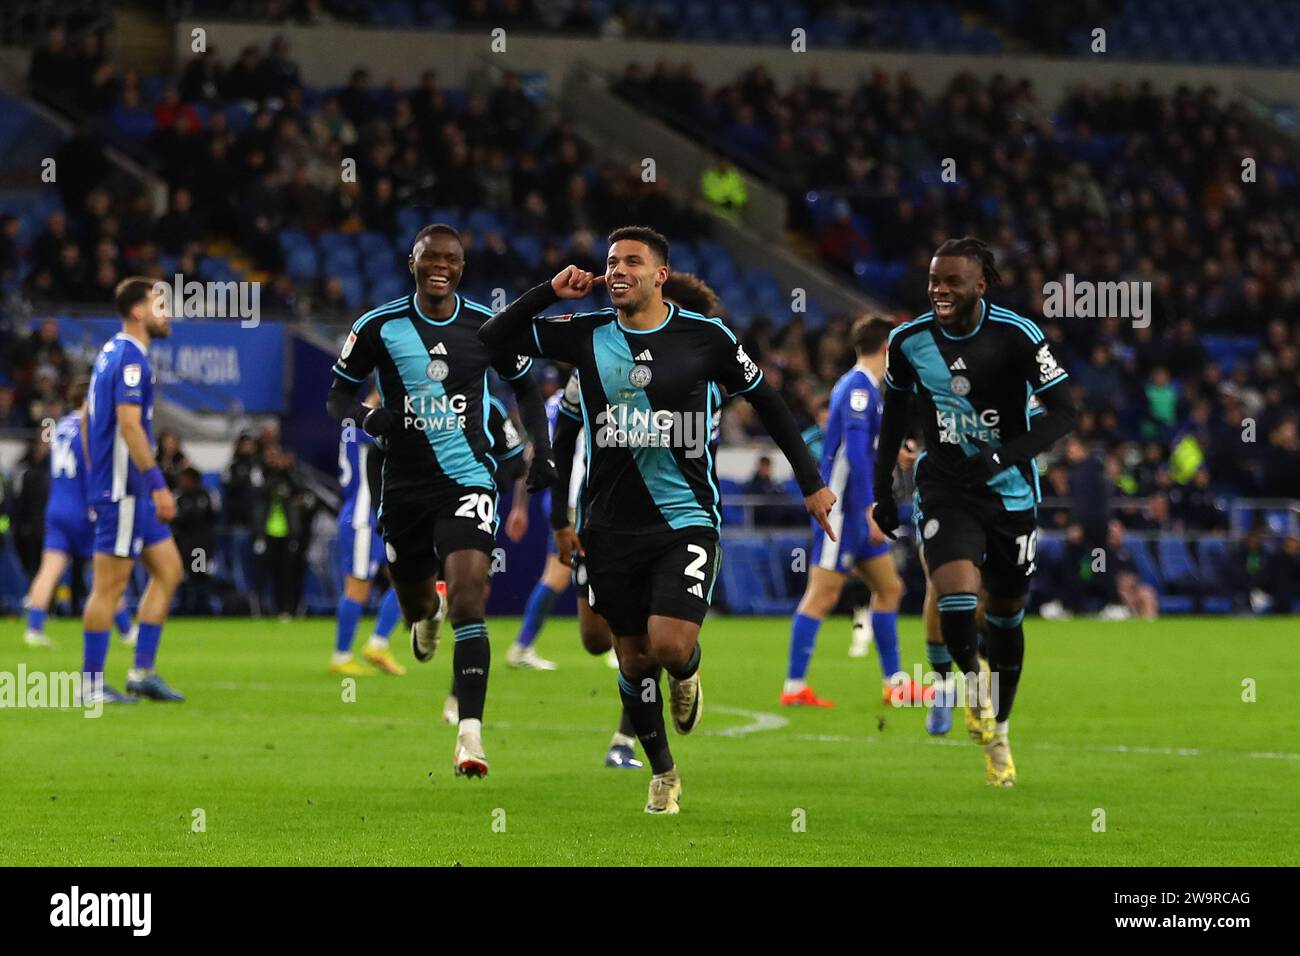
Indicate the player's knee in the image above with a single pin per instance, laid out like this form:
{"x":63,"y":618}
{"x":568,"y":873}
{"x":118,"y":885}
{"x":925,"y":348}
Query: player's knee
{"x":595,"y":639}
{"x":467,"y":602}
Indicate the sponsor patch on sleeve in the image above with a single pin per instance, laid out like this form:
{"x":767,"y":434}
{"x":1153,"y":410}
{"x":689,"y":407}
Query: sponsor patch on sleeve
{"x":131,"y":375}
{"x":859,"y":400}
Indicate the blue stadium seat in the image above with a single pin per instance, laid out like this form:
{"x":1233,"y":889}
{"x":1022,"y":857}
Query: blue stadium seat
{"x":342,"y":242}
{"x":353,"y":289}
{"x":1146,"y":567}
{"x":1212,"y":552}
{"x":132,"y":123}
{"x":1176,"y":568}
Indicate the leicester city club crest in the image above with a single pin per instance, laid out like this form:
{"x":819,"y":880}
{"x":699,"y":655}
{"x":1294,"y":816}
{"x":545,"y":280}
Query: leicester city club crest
{"x":960,"y":385}
{"x":639,"y":376}
{"x":437,"y":370}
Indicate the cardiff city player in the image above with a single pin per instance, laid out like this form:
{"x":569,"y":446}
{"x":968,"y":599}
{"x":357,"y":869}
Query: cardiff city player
{"x":974,"y":367}
{"x":129,"y":496}
{"x":649,"y":518}
{"x":360,"y":553}
{"x":847,"y":462}
{"x":438,"y":504}
{"x":69,"y":533}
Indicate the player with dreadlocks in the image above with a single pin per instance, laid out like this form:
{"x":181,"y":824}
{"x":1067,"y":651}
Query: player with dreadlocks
{"x":975,"y":367}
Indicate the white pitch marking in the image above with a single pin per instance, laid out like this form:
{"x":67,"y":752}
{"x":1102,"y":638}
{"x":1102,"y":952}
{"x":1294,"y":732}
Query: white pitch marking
{"x":761,"y":721}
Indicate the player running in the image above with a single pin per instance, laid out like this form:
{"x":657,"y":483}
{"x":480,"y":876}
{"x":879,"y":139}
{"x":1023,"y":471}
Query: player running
{"x":69,"y":533}
{"x":858,"y":546}
{"x":130,"y":498}
{"x":649,"y":515}
{"x":692,"y":294}
{"x":361,"y":552}
{"x":438,"y":504}
{"x":508,"y":450}
{"x":974,"y":367}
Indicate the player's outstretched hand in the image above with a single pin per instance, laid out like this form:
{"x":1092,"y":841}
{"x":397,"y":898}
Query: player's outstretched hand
{"x":575,"y":283}
{"x":819,"y":505}
{"x":885,"y":515}
{"x":379,"y":422}
{"x":567,"y":544}
{"x":164,"y":505}
{"x":517,"y":524}
{"x":541,"y":474}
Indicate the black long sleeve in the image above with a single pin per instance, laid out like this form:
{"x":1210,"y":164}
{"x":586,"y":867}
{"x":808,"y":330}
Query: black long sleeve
{"x":511,"y":324}
{"x":532,"y":410}
{"x":893,"y":428}
{"x":342,"y":404}
{"x":780,"y":424}
{"x":564,"y":446}
{"x":1058,"y":419}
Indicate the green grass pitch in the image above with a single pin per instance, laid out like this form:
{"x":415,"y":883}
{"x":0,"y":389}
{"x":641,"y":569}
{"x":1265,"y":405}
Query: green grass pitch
{"x":1145,"y":722}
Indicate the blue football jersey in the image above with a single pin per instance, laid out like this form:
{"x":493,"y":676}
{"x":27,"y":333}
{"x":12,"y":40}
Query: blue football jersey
{"x":852,"y":432}
{"x":68,"y":468}
{"x":356,"y":510}
{"x":122,"y":376}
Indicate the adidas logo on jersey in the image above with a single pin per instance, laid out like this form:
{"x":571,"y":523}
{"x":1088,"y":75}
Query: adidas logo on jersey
{"x":438,"y":349}
{"x":958,"y":365}
{"x":644,"y":357}
{"x":697,"y":590}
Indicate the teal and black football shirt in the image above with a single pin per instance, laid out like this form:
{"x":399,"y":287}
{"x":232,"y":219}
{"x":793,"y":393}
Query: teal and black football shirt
{"x":648,"y":401}
{"x":975,"y":389}
{"x":433,"y":374}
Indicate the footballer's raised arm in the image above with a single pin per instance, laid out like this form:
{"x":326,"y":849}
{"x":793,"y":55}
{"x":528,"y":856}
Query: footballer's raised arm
{"x":513,"y":329}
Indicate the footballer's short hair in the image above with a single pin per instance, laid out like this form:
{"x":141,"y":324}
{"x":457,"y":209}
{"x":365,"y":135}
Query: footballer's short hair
{"x":693,"y":294}
{"x":650,"y":237}
{"x":130,"y":292}
{"x":869,"y":333}
{"x":437,"y":229}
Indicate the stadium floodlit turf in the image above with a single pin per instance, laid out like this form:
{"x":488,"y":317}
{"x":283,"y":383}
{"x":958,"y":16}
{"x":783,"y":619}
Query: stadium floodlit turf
{"x":1145,"y":722}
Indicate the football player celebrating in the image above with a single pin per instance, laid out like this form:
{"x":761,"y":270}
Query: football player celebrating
{"x":438,"y":504}
{"x":974,"y":367}
{"x":649,"y":516}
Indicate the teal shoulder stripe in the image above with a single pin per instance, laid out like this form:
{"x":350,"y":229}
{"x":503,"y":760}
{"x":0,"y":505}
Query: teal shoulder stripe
{"x":704,"y":318}
{"x":395,"y":306}
{"x":920,"y":319}
{"x":497,"y":404}
{"x":1033,"y":330}
{"x":477,"y":307}
{"x":1028,"y":330}
{"x":1010,"y":316}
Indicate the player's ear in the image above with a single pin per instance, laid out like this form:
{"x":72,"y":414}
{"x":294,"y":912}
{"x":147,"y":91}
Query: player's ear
{"x":410,"y":264}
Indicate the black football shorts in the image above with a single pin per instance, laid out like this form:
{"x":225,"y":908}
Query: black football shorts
{"x":632,"y":576}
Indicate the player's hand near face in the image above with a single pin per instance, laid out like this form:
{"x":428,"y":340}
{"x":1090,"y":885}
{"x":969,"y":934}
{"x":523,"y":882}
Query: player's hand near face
{"x":567,"y":543}
{"x":164,"y":505}
{"x":819,"y":505}
{"x":575,"y":283}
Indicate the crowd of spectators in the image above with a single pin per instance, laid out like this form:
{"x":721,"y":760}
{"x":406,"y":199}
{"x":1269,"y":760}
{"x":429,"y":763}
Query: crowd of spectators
{"x":1121,"y":184}
{"x":340,"y":160}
